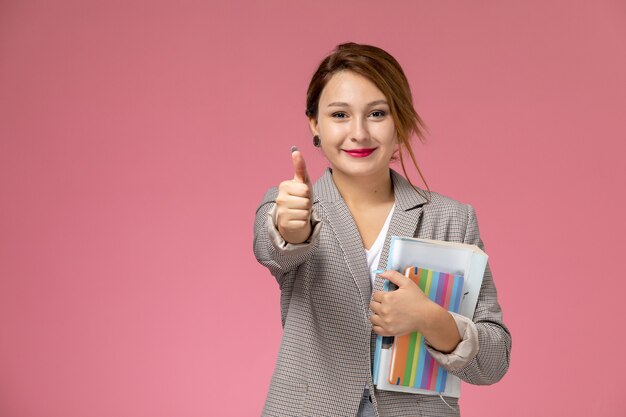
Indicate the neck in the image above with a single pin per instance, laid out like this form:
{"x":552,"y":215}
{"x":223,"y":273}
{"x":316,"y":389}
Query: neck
{"x":365,"y":191}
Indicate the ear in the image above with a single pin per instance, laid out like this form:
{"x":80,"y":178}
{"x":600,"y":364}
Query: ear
{"x":313,"y":126}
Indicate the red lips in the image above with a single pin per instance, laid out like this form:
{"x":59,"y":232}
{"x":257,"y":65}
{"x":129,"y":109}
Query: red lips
{"x":360,"y":153}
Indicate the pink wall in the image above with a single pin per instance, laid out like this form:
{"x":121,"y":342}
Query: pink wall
{"x":136,"y":139}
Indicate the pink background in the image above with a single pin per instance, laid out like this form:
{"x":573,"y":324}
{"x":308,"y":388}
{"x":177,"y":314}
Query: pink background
{"x":137,"y":138}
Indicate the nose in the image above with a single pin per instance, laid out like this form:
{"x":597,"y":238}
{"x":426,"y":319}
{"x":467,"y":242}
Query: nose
{"x":360,"y":130}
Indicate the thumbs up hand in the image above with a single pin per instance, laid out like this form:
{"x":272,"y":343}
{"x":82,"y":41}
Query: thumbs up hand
{"x":294,"y":203}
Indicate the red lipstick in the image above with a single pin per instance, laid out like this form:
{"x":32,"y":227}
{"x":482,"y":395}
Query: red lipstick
{"x":360,"y":153}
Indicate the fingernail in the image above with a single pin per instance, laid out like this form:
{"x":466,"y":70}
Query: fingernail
{"x":293,"y":149}
{"x":379,"y":271}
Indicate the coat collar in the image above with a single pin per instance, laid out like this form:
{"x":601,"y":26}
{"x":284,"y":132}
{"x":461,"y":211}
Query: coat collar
{"x":404,"y":221}
{"x":406,"y":196}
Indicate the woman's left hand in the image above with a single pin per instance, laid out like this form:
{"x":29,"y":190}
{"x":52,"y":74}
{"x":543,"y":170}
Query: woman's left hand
{"x":405,"y":310}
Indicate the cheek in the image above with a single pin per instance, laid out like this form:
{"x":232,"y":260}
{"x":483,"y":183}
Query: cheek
{"x":332,"y":132}
{"x":388,"y":133}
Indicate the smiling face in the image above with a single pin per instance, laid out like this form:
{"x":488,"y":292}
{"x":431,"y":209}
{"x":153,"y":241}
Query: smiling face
{"x":357,"y":132}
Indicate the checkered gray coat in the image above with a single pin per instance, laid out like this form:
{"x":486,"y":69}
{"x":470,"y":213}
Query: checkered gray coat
{"x":325,"y":357}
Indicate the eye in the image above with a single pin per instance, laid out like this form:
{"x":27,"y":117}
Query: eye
{"x":339,"y":115}
{"x":379,"y":114}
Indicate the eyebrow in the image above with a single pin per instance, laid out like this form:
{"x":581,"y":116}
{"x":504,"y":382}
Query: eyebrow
{"x":342,"y":104}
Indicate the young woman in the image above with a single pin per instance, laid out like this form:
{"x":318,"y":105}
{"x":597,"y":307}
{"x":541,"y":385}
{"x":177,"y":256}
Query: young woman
{"x":323,"y":242}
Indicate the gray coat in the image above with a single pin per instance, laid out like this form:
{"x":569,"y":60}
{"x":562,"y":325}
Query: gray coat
{"x":325,"y":357}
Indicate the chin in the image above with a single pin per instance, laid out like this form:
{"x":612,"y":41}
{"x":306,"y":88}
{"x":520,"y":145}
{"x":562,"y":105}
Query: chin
{"x":361,"y":171}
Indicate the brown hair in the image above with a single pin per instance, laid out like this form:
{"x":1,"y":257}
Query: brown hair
{"x":385,"y":72}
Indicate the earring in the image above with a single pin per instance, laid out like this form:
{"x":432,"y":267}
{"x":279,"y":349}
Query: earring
{"x":316,"y":141}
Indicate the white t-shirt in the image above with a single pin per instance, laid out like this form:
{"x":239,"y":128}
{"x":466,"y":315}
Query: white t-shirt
{"x":373,"y":253}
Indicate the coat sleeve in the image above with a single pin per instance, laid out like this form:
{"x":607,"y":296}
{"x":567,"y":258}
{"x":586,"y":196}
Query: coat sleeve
{"x":494,"y":340}
{"x":271,"y":250}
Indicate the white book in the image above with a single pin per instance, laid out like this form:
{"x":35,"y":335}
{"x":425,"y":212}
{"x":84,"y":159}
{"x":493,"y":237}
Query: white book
{"x":449,"y":257}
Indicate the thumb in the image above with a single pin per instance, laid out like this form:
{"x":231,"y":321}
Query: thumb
{"x":397,"y":278}
{"x":299,"y":166}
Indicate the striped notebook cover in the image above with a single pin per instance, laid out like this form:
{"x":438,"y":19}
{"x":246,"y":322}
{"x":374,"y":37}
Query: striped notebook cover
{"x":411,"y":364}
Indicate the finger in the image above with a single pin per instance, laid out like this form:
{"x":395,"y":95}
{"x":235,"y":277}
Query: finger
{"x":295,"y":189}
{"x":296,"y":214}
{"x":378,"y":296}
{"x":376,"y":320}
{"x":397,"y":278}
{"x":380,"y":331}
{"x":379,"y":327}
{"x":300,"y":203}
{"x":294,"y":224}
{"x":375,"y":307}
{"x":299,"y":167}
{"x":295,"y":203}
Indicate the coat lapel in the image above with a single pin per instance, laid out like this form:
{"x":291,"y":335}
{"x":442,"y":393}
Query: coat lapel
{"x":406,"y":216}
{"x":341,"y":222}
